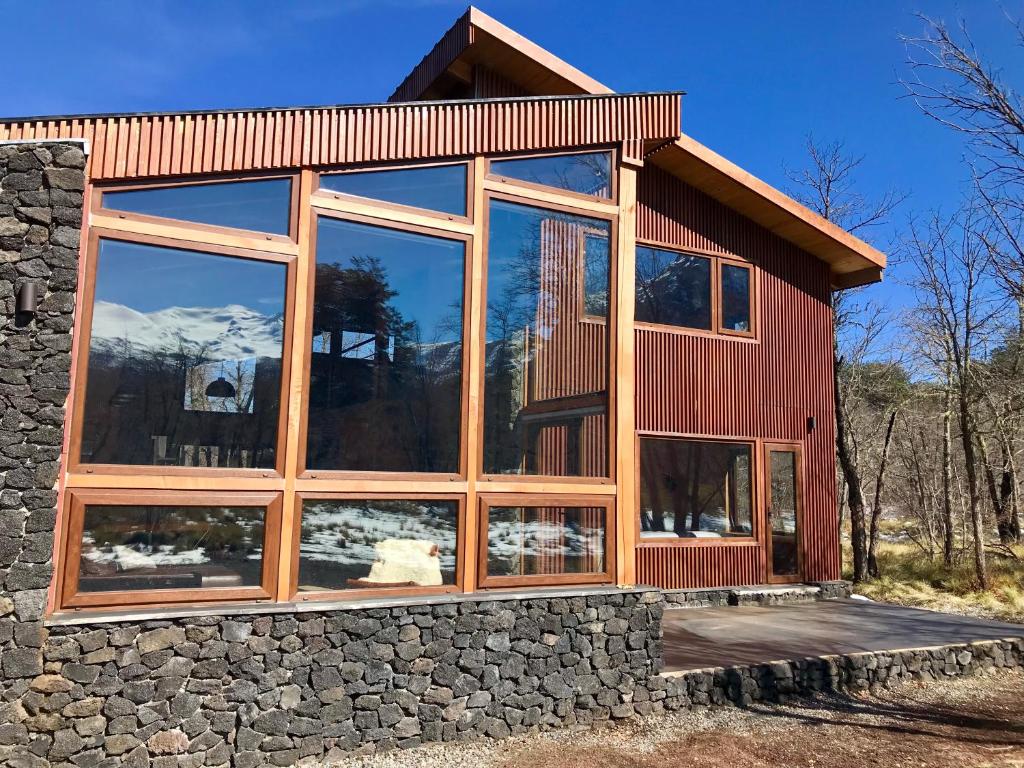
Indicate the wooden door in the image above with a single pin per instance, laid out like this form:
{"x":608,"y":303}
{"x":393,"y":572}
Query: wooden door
{"x":783,"y":495}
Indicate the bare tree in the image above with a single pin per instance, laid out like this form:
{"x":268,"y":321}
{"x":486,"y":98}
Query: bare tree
{"x":955,"y":311}
{"x":828,"y":187}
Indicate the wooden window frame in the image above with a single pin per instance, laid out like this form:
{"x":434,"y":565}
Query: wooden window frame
{"x":716,"y":261}
{"x":377,"y":592}
{"x":611,"y":350}
{"x":757,"y":523}
{"x":797,"y":449}
{"x":305,"y":473}
{"x":613,"y":166}
{"x":78,"y":499}
{"x":385,"y":205}
{"x":584,"y":317}
{"x":487,"y":501}
{"x":75,"y":463}
{"x":198,"y":228}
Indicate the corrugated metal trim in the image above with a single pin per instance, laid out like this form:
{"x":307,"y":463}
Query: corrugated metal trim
{"x":674,"y":567}
{"x":181,"y":144}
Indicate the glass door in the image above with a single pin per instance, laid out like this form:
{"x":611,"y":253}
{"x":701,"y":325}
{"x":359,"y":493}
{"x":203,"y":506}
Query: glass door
{"x":784,"y":495}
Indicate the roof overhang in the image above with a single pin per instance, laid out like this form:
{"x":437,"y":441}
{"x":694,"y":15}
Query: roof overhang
{"x":476,"y":38}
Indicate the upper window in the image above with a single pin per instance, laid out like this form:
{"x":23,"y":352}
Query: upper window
{"x":687,"y":290}
{"x":385,"y":388}
{"x":260,"y":205}
{"x":695,"y":489}
{"x":546,"y":370}
{"x":435,"y":188}
{"x":673,"y":288}
{"x":735,"y":298}
{"x":184,"y":359}
{"x":587,"y":173}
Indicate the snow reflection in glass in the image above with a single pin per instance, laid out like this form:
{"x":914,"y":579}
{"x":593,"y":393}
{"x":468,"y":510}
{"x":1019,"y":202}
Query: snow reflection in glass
{"x":128,"y":548}
{"x":377,"y":543}
{"x":535,"y":541}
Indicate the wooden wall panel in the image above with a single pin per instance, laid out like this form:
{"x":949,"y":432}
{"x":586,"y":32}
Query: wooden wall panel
{"x":705,"y":385}
{"x":139,"y":146}
{"x":682,"y":567}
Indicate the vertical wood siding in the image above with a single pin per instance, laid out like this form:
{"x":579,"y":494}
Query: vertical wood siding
{"x":703,"y":385}
{"x":139,"y":146}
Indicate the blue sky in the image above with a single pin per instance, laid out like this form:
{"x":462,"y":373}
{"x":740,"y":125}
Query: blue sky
{"x":759,"y":76}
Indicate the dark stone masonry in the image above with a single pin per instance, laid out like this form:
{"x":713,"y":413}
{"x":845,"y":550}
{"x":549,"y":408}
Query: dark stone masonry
{"x":285,"y":684}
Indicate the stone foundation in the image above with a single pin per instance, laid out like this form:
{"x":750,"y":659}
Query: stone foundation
{"x":277,"y":688}
{"x":782,"y":681}
{"x":718,"y":597}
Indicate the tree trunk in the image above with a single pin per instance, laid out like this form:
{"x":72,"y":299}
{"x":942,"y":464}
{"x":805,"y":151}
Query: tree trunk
{"x":967,"y":438}
{"x":854,"y":488}
{"x":876,"y":508}
{"x":947,"y":478}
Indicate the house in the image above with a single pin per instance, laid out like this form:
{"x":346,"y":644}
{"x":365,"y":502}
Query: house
{"x":508,"y":337}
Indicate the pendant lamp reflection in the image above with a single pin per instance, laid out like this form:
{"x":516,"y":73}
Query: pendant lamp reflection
{"x":220,"y":387}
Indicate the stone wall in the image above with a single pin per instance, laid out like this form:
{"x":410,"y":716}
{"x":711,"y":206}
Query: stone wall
{"x":274,"y":689}
{"x":781,"y":681}
{"x":40,"y":218}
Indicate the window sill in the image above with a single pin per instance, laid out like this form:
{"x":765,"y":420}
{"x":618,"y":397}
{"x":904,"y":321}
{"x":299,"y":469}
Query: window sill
{"x":135,"y":615}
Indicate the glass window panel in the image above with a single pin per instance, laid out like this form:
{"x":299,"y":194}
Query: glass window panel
{"x":542,"y":541}
{"x":546,"y":375}
{"x":435,"y":188}
{"x":385,"y":389}
{"x":735,"y":298}
{"x":184,"y":359}
{"x":673,"y":288}
{"x":262,"y":205}
{"x":589,"y":173}
{"x":595,"y":274}
{"x":783,"y":511}
{"x":695,"y":489}
{"x":373,"y":543}
{"x":128,"y":548}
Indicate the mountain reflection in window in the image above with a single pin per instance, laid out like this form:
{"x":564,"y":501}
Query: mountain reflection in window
{"x":546,"y":374}
{"x":386,"y":371}
{"x":377,"y":543}
{"x":171,"y":329}
{"x":695,"y":489}
{"x":673,"y":288}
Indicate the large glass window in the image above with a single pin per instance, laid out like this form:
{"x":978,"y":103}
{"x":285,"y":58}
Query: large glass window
{"x":184,"y":361}
{"x":546,"y":375}
{"x":385,"y":387}
{"x":673,"y":288}
{"x":262,"y":205}
{"x":539,"y":541}
{"x":376,"y":543}
{"x":435,"y":188}
{"x":695,"y":489}
{"x":588,"y":173}
{"x":142,"y":548}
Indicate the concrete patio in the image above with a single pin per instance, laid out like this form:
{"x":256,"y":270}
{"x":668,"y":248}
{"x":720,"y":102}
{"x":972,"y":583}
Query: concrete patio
{"x":698,"y":638}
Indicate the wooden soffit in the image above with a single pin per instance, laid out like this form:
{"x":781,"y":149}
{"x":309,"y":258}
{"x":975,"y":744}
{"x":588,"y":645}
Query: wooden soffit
{"x":145,"y":145}
{"x":478,"y":40}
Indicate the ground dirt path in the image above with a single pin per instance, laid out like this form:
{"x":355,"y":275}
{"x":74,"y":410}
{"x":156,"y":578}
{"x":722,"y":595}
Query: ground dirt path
{"x":965,"y":723}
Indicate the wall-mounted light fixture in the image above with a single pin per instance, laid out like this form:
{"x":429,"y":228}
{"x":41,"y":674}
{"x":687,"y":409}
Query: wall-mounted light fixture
{"x":30,"y":294}
{"x":811,"y":423}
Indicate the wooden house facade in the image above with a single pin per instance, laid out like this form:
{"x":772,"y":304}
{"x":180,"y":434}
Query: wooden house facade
{"x":507,"y":330}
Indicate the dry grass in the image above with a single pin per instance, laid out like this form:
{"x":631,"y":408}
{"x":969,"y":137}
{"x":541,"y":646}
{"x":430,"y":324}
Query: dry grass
{"x":910,"y":578}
